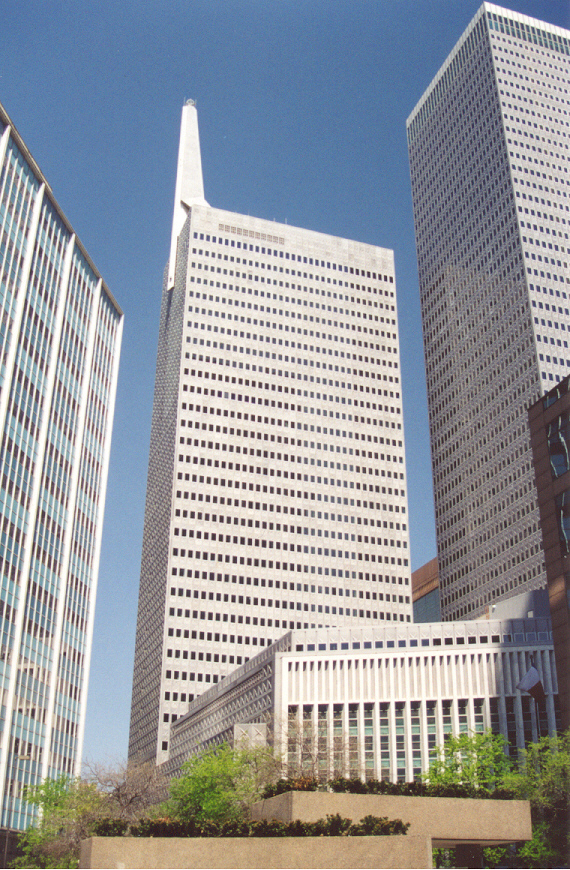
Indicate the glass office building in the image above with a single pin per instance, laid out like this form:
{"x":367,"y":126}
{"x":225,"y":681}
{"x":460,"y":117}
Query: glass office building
{"x":60,"y":336}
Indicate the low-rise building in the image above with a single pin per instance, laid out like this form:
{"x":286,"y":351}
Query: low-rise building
{"x":376,"y":701}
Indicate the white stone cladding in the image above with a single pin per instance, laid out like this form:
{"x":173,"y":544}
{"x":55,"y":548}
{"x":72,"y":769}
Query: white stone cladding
{"x":375,"y":701}
{"x":489,"y":147}
{"x":277,"y":493}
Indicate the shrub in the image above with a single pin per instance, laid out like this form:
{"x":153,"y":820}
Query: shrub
{"x":332,"y":826}
{"x":222,"y":783}
{"x":109,"y":828}
{"x":292,"y":783}
{"x":415,"y":789}
{"x":378,"y":827}
{"x":163,"y":828}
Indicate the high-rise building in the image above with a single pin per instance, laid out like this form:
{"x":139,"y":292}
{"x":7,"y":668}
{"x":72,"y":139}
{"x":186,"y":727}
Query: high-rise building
{"x":425,"y":593}
{"x":549,"y":421}
{"x":489,"y":153}
{"x":276,"y":495}
{"x":60,"y":338}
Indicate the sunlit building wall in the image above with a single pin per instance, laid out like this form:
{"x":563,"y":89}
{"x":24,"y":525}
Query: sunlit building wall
{"x":489,"y":154}
{"x":376,"y":702}
{"x":276,"y":494}
{"x":60,"y":334}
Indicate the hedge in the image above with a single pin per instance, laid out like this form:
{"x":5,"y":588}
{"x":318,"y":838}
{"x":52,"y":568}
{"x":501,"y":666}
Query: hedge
{"x":332,"y":826}
{"x":374,"y":786}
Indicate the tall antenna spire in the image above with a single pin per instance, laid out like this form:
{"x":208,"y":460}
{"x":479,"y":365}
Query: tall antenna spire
{"x":189,"y":182}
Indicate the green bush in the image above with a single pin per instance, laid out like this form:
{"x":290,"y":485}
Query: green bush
{"x":292,"y":783}
{"x":414,"y":789}
{"x":332,"y":826}
{"x":163,"y":828}
{"x":267,"y":828}
{"x":222,"y":783}
{"x":373,"y":826}
{"x":109,"y":828}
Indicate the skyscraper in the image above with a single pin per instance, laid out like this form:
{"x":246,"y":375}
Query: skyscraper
{"x":276,"y":493}
{"x":60,"y":337}
{"x":489,"y":148}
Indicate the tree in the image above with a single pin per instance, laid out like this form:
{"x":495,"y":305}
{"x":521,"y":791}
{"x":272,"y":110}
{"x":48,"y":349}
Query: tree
{"x":543,"y":778}
{"x":222,"y":783}
{"x":313,"y":751}
{"x":477,"y":760}
{"x":131,"y":788}
{"x":69,"y":809}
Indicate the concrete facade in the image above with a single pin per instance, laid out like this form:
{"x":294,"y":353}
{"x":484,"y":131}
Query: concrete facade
{"x":276,"y":494}
{"x":488,"y":155}
{"x":245,"y":853}
{"x":434,"y":822}
{"x":59,"y":344}
{"x":376,"y":701}
{"x":448,"y":822}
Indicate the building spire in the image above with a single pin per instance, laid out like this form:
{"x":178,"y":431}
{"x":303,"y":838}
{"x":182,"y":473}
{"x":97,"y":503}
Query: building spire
{"x":189,"y":183}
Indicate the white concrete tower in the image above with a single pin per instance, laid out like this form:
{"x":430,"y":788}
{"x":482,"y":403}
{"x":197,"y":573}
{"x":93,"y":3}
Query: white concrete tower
{"x":189,"y":182}
{"x":276,"y":495}
{"x":489,"y":148}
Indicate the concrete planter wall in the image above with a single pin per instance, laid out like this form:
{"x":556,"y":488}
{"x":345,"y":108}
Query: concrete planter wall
{"x":254,"y":852}
{"x":444,"y":822}
{"x":447,"y":821}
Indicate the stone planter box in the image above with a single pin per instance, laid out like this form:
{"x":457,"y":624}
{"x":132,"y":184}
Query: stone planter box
{"x":448,"y":822}
{"x":254,"y":852}
{"x":434,"y":822}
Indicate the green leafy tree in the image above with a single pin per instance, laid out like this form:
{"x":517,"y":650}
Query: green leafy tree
{"x":222,"y":783}
{"x":543,"y":778}
{"x":67,"y":810}
{"x":541,"y":775}
{"x":477,"y":760}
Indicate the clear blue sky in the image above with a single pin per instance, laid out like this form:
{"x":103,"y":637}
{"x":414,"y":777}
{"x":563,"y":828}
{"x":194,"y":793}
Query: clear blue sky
{"x":302,"y":109}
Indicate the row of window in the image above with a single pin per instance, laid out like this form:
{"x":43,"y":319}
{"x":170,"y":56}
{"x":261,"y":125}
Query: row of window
{"x":203,"y":595}
{"x":234,"y":559}
{"x":285,"y":439}
{"x":284,"y":545}
{"x":283,"y":343}
{"x":305,"y":303}
{"x":278,"y":325}
{"x":299,"y":361}
{"x":305,"y":607}
{"x":352,"y":270}
{"x":292,"y":475}
{"x":282,"y":584}
{"x":217,"y":617}
{"x":280,"y":297}
{"x":288,"y":374}
{"x":264,"y":488}
{"x":230,"y":448}
{"x":255,"y":399}
{"x":336,"y":518}
{"x":223,"y":411}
